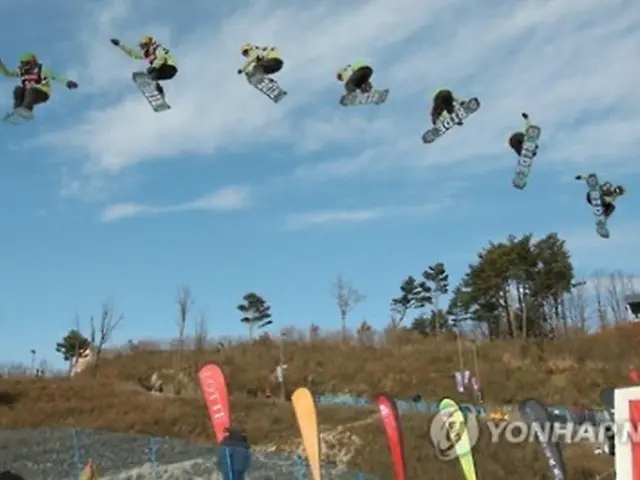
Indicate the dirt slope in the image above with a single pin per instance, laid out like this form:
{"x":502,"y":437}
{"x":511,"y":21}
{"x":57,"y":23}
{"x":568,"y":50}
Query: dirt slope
{"x":558,"y":372}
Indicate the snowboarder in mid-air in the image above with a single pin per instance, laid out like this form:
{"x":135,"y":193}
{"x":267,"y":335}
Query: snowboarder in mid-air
{"x":260,"y":64}
{"x":516,"y":140}
{"x":356,"y":77}
{"x":444,"y":105}
{"x":525,"y":146}
{"x":608,"y":195}
{"x":162,"y":65}
{"x":446,"y":111}
{"x":359,"y":90}
{"x":35,"y":86}
{"x":262,"y":61}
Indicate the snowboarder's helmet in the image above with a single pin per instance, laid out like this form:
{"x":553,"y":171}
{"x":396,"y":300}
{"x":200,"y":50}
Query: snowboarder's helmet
{"x":145,"y":42}
{"x":28,"y":57}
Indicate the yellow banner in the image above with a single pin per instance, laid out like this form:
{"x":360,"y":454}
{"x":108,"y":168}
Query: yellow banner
{"x":304,"y":407}
{"x":459,"y":436}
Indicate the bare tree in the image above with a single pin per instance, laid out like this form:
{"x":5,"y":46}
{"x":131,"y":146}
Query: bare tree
{"x":33,"y":361}
{"x":101,"y":333}
{"x":599,"y":288}
{"x":577,"y":308}
{"x":44,"y":368}
{"x":185,"y":304}
{"x":201,"y":333}
{"x":365,"y":333}
{"x":348,"y":297}
{"x":314,"y":333}
{"x":286,"y":335}
{"x":76,"y":346}
{"x":619,"y":285}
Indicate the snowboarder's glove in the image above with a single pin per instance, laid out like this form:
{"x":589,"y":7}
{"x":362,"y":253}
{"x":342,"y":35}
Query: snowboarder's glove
{"x":71,"y":85}
{"x":239,"y":72}
{"x":115,"y":41}
{"x":579,"y":177}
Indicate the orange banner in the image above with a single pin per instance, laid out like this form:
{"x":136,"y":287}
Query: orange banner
{"x":304,"y":407}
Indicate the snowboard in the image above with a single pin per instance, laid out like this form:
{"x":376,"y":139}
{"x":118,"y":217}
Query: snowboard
{"x":525,"y":161}
{"x":148,"y":89}
{"x":374,"y":97}
{"x":462,"y":111}
{"x":18,"y":116}
{"x":594,"y":195}
{"x":268,"y":86}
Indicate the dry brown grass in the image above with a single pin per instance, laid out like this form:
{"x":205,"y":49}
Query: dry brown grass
{"x":566,"y":372}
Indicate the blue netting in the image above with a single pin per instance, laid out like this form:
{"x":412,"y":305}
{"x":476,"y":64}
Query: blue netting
{"x":59,"y":454}
{"x":426,"y":406}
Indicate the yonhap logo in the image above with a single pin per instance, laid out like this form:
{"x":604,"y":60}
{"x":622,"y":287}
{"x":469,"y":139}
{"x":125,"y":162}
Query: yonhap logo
{"x":451,"y":435}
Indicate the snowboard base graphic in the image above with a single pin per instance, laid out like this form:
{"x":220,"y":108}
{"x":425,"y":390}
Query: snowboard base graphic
{"x":374,"y":97}
{"x":148,"y":88}
{"x":525,"y":161}
{"x":463,"y":111}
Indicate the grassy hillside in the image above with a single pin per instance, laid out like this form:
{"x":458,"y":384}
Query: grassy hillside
{"x":565,"y":372}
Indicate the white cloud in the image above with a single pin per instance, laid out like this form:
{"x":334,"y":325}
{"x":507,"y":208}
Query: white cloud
{"x":566,"y":63}
{"x":213,"y":109}
{"x":106,"y":70}
{"x":368,"y":162}
{"x":321,"y":218}
{"x":623,"y":238}
{"x":119,"y":211}
{"x":224,"y":200}
{"x":589,"y":251}
{"x":326,"y":129}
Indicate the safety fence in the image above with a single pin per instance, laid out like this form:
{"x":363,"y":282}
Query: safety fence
{"x":560,"y":413}
{"x":61,"y":454}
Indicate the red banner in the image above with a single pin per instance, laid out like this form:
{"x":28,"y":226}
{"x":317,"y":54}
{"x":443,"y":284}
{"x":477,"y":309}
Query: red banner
{"x":391,"y":422}
{"x":214,"y":389}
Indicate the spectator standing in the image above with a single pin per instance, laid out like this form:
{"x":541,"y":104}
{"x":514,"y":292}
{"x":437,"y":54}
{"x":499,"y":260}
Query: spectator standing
{"x":234,"y":454}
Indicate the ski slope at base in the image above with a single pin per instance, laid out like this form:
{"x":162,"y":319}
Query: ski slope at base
{"x":101,"y":196}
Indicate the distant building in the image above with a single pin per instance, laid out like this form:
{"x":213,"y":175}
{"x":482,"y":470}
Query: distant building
{"x":633,"y":305}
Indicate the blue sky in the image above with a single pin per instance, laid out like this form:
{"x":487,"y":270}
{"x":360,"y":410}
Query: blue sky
{"x":101,"y":197}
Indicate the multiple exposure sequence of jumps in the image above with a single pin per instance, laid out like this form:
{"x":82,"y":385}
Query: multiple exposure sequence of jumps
{"x":261,"y":64}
